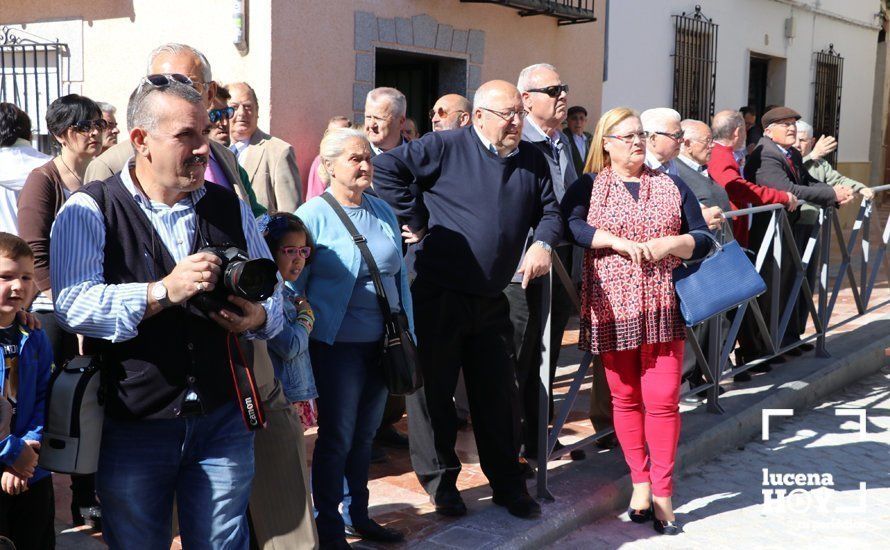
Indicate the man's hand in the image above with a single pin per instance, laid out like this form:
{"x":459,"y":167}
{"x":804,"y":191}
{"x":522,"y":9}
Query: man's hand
{"x":792,"y":203}
{"x":713,"y":216}
{"x":535,"y":264}
{"x":254,"y":316}
{"x":824,"y":146}
{"x":26,"y":462}
{"x":412,"y":237}
{"x":29,"y":320}
{"x":194,"y":274}
{"x":867,"y":193}
{"x":843,"y":194}
{"x":628,"y":249}
{"x":12,"y":484}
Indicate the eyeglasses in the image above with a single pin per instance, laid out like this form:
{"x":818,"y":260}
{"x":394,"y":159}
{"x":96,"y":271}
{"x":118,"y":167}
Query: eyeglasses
{"x":676,"y":136}
{"x":706,"y":142}
{"x":218,"y":114}
{"x":784,"y":124}
{"x":378,"y":119}
{"x":506,"y":116}
{"x":629,"y":138}
{"x":443,"y":113}
{"x":295,"y":251}
{"x":164,"y":80}
{"x":87,"y":126}
{"x":552,"y":91}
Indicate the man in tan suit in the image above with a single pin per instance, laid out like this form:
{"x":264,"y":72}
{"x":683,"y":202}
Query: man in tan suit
{"x":270,"y":163}
{"x":280,"y":513}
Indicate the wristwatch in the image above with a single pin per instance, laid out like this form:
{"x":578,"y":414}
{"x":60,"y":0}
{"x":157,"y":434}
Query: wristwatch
{"x":159,"y":293}
{"x":543,"y":245}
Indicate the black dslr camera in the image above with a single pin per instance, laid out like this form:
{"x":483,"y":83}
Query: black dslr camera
{"x":253,"y":280}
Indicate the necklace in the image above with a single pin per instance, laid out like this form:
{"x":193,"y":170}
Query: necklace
{"x":79,"y":179}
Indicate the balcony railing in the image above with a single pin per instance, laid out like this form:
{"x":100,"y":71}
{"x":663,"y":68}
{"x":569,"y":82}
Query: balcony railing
{"x":566,"y":12}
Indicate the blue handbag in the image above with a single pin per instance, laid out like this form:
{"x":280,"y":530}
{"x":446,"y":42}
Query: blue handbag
{"x":721,"y":281}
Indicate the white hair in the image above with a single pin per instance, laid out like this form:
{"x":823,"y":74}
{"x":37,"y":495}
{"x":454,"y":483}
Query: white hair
{"x":332,"y":146}
{"x":804,"y":127}
{"x":398,"y":105}
{"x":106,"y":108}
{"x":524,"y":83}
{"x":655,"y":120}
{"x":174,"y":48}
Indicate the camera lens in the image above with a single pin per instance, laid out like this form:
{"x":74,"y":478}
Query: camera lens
{"x":253,"y":280}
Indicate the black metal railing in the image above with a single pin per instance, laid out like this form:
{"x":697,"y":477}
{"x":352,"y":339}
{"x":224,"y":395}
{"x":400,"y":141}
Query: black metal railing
{"x":566,"y":12}
{"x":828,"y":85}
{"x":31,"y":76}
{"x":695,"y":65}
{"x":715,"y":366}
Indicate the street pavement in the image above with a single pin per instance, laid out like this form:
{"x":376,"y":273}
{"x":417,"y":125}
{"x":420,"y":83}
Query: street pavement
{"x":721,"y":503}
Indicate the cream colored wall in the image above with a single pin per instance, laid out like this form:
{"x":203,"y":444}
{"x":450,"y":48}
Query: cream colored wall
{"x":314,"y":64}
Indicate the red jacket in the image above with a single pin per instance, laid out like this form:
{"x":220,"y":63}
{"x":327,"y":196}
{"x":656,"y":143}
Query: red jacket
{"x":724,"y":170}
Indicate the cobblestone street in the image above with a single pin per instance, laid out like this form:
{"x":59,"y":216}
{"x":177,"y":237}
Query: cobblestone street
{"x":721,"y":504}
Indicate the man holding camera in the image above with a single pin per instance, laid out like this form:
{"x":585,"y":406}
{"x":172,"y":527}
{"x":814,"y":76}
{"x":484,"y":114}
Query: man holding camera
{"x":126,"y":266}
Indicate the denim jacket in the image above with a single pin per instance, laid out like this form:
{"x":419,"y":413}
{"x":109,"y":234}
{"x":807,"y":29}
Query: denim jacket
{"x":35,"y":366}
{"x":289,"y":352}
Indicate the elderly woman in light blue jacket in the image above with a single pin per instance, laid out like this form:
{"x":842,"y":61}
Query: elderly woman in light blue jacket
{"x":345,"y":344}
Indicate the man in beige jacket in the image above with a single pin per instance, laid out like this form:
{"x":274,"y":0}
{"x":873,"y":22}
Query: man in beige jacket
{"x":270,"y":163}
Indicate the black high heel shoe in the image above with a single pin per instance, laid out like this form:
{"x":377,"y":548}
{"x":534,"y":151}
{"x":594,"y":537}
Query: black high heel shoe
{"x":640,"y":516}
{"x":665,"y":527}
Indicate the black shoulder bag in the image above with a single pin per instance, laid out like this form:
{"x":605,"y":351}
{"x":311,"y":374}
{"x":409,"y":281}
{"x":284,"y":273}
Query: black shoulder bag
{"x":399,"y":359}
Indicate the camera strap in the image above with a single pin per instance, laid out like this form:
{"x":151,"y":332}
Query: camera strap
{"x":245,"y":386}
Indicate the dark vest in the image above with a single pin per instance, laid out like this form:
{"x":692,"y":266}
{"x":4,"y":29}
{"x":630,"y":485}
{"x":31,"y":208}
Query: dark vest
{"x":176,"y":350}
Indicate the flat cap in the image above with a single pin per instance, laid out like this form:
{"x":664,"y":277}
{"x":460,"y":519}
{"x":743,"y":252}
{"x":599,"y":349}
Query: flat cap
{"x":778,"y":113}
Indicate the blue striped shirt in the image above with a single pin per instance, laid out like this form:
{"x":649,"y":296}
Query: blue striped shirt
{"x":86,"y":305}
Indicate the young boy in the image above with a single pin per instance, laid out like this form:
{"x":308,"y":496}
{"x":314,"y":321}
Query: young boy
{"x":27,"y":509}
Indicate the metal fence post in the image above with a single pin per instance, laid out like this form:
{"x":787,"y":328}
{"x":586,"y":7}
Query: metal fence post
{"x":544,"y":388}
{"x":824,"y":263}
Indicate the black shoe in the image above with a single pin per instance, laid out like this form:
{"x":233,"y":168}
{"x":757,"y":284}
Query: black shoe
{"x":339,"y":544}
{"x":765,"y":366}
{"x":742,"y":377}
{"x":449,"y":503}
{"x":806,"y":347}
{"x":378,"y":455}
{"x":608,"y":442}
{"x":577,"y":454}
{"x":640,"y":516}
{"x":76,"y":517}
{"x":521,"y":506}
{"x":665,"y":527}
{"x":388,"y":436}
{"x":375,"y":532}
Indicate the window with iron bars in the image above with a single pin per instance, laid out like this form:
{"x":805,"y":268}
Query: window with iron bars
{"x":695,"y":65}
{"x":828,"y":85}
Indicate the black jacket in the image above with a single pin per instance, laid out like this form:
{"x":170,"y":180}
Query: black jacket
{"x":767,"y":166}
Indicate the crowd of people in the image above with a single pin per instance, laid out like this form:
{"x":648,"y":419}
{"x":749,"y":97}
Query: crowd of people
{"x":107,"y":249}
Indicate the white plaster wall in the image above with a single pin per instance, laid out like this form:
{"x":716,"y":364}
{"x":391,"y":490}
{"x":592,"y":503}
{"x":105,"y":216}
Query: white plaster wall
{"x":641,"y":41}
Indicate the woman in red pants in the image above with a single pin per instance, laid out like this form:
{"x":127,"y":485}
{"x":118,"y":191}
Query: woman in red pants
{"x":635,"y":222}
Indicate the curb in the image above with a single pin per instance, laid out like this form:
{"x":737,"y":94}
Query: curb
{"x":732,"y":430}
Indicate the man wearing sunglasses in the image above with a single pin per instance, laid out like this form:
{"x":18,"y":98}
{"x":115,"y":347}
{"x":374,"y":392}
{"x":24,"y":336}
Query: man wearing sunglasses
{"x":184,"y":64}
{"x":451,"y":111}
{"x":270,"y":163}
{"x":663,"y":138}
{"x":545,"y":99}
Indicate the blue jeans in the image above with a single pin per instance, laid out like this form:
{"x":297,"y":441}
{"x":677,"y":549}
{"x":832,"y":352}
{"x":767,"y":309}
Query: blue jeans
{"x":206,"y":461}
{"x":351,"y":397}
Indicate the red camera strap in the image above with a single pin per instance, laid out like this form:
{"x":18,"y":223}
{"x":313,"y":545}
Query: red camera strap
{"x":245,"y":387}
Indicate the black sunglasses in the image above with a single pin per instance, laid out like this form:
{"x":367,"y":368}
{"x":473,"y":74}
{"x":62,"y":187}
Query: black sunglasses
{"x":87,"y":126}
{"x":164,"y":80}
{"x":218,"y":114}
{"x":552,"y":91}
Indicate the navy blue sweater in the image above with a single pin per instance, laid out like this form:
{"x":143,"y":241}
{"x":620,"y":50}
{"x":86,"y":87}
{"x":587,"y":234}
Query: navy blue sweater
{"x":478,"y":207}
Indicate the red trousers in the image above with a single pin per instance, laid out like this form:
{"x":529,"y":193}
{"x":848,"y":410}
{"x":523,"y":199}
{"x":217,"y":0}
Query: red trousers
{"x":645,"y":386}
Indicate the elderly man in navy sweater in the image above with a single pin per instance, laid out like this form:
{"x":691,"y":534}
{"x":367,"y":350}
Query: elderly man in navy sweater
{"x":482,"y":191}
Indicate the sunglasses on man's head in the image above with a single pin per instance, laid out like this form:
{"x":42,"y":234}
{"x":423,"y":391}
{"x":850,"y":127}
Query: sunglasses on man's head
{"x":218,"y":114}
{"x":443,"y":113}
{"x":87,"y":126}
{"x":294,"y":251}
{"x":164,"y":80}
{"x":552,"y":91}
